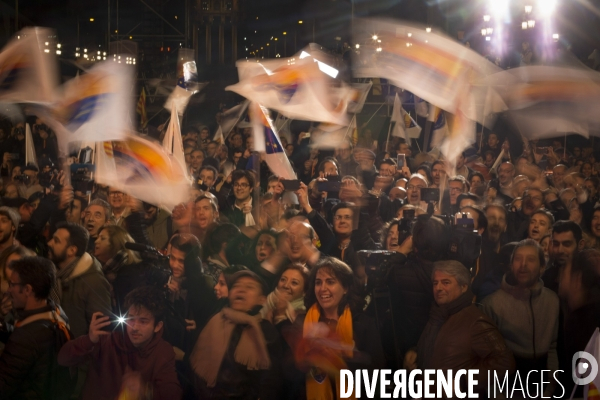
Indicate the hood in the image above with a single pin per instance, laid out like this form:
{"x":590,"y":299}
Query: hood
{"x":521,"y":293}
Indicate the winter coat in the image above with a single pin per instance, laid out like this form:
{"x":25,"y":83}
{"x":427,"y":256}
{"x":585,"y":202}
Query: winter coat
{"x":528,"y":320}
{"x":84,"y":292}
{"x":113,"y":355}
{"x":28,"y":364}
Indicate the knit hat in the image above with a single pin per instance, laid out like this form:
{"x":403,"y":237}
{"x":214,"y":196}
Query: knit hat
{"x":14,"y":216}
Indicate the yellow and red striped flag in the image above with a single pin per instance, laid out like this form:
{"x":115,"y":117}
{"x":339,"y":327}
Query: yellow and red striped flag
{"x":141,"y":109}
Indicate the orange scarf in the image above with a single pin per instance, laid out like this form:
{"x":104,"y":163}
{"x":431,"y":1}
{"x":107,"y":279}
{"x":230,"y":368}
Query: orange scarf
{"x":324,"y":352}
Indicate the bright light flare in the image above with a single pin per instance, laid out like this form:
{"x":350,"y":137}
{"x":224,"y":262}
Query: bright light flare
{"x":524,"y":25}
{"x":555,"y":36}
{"x":483,"y":32}
{"x":374,"y":37}
{"x":531,"y":23}
{"x":528,"y":9}
{"x":486,"y":18}
{"x":499,"y":9}
{"x":357,"y":46}
{"x":546,"y":7}
{"x":428,"y":29}
{"x":121,"y":320}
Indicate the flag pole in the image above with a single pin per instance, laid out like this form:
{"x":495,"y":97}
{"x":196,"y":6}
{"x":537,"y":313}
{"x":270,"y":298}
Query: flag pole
{"x":387,"y":143}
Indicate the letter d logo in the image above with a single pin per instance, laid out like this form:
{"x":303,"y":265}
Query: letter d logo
{"x":583,"y":366}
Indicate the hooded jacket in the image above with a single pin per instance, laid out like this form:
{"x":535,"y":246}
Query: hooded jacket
{"x":528,"y":321}
{"x":84,"y":292}
{"x":113,"y":355}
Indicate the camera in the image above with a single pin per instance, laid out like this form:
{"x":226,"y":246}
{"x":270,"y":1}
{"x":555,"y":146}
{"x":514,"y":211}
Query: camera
{"x":24,"y":179}
{"x":49,"y":179}
{"x":377,"y":265}
{"x":159,"y":271}
{"x":81,"y":177}
{"x":464,"y":242}
{"x":406,"y":225}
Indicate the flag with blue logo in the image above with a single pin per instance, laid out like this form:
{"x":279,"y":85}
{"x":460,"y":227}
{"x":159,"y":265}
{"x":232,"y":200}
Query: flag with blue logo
{"x":296,"y":87}
{"x":96,"y":106}
{"x":28,"y":67}
{"x":267,"y":142}
{"x":187,"y":86}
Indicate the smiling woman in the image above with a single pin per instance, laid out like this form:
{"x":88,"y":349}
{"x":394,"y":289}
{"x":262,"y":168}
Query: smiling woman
{"x":335,"y":316}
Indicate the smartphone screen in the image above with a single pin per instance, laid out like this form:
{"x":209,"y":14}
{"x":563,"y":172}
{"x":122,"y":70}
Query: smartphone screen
{"x":401,"y":161}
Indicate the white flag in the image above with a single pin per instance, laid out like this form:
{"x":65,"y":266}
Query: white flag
{"x":30,"y":157}
{"x":28,"y":73}
{"x":172,"y":141}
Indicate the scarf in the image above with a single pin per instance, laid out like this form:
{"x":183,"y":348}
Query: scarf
{"x":249,"y":217}
{"x":211,"y":347}
{"x":437,"y":318}
{"x":318,"y":380}
{"x":292,"y":310}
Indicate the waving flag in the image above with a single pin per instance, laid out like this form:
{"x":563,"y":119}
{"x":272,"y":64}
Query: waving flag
{"x":433,"y":67}
{"x":360,"y":91}
{"x":398,"y":120}
{"x":282,"y":125}
{"x":95,"y":106}
{"x":187,"y":86}
{"x":144,"y":170}
{"x":295,"y":87}
{"x":172,"y":141}
{"x":229,"y":119}
{"x":27,"y":73}
{"x":546,"y":101}
{"x":267,"y":142}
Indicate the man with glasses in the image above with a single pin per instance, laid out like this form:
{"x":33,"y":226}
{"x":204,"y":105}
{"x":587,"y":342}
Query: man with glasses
{"x":413,"y":189}
{"x":239,"y":211}
{"x":28,"y":366}
{"x":118,"y":204}
{"x":456,"y":186}
{"x":31,"y":184}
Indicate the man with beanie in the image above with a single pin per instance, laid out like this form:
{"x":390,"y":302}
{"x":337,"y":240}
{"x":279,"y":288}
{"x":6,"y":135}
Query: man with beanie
{"x":9,"y":222}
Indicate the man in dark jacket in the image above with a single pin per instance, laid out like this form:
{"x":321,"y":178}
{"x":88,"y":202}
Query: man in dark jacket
{"x":134,"y":363}
{"x":82,"y":287}
{"x":458,"y":335}
{"x":410,"y":280}
{"x":28,"y":364}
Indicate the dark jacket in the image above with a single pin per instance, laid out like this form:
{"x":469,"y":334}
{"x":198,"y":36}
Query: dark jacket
{"x":411,"y":295}
{"x":359,"y":240}
{"x":113,"y":355}
{"x":28,"y":364}
{"x":468,"y":339}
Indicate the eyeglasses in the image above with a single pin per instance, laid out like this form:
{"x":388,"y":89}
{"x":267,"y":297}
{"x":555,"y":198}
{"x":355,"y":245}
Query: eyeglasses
{"x":13,"y":284}
{"x":115,"y":194}
{"x":241,"y":185}
{"x":455,"y":189}
{"x":413,"y":187}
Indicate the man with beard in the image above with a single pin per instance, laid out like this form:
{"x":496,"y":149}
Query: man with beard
{"x":438,"y":172}
{"x":518,"y":221}
{"x":489,"y":275}
{"x":82,"y":288}
{"x":567,"y":241}
{"x":413,"y":189}
{"x":159,"y":226}
{"x":9,"y":222}
{"x":526,"y":313}
{"x":96,"y":215}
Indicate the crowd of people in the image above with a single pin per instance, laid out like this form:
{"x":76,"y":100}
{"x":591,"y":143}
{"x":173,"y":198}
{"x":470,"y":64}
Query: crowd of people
{"x":251,"y":291}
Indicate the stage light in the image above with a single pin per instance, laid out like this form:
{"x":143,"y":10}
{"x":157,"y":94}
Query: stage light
{"x":487,"y":38}
{"x":524,"y":25}
{"x":490,"y":31}
{"x":428,"y":29}
{"x":528,"y":9}
{"x":555,"y":36}
{"x":546,"y":7}
{"x":531,"y":23}
{"x":379,"y":49}
{"x":358,"y":46}
{"x":483,"y":32}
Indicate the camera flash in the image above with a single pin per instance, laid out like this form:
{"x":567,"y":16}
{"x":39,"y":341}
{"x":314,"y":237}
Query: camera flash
{"x":121,"y":320}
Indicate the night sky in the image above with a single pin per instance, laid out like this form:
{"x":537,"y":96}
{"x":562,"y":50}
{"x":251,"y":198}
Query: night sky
{"x":578,"y":20}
